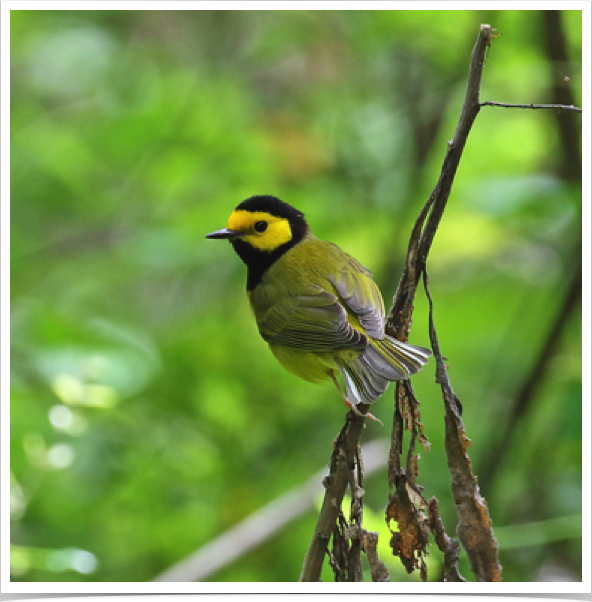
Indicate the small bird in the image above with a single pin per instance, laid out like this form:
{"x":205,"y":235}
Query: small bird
{"x":316,"y":306}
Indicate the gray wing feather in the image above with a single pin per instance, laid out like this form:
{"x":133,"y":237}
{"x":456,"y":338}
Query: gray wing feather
{"x":314,"y":322}
{"x":361,"y":295}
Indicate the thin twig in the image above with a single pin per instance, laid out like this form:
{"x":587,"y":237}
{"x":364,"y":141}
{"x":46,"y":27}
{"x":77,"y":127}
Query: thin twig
{"x":378,"y":570}
{"x":491,"y":103}
{"x":405,"y":505}
{"x":456,"y":146}
{"x":474,"y":524}
{"x":447,"y":545}
{"x":356,"y":512}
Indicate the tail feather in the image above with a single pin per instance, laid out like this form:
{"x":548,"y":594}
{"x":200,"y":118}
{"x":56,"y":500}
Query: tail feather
{"x":403,"y":357}
{"x":368,"y":375}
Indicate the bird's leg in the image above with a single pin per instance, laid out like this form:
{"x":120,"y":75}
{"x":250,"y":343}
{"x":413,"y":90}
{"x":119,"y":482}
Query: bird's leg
{"x":350,"y":405}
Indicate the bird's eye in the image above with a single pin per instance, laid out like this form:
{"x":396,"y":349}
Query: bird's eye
{"x":260,"y":227}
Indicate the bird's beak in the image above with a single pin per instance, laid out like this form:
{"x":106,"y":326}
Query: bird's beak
{"x":224,"y":233}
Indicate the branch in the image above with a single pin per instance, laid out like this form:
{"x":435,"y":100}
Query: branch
{"x":399,"y":316}
{"x":491,"y":103}
{"x":378,"y":570}
{"x":474,"y":525}
{"x":342,"y":463}
{"x":406,"y":505}
{"x":456,"y":146}
{"x":448,"y":546}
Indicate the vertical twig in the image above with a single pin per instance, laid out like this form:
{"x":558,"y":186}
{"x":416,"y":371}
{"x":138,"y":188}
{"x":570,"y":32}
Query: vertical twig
{"x":406,"y":505}
{"x":378,"y":570}
{"x":342,"y":463}
{"x":474,"y":525}
{"x":354,"y":531}
{"x":448,"y":546}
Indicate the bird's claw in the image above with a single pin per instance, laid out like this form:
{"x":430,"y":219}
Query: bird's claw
{"x":357,"y":412}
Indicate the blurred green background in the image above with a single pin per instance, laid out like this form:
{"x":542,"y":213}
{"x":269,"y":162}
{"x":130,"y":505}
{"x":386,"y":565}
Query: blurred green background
{"x":147,"y":415}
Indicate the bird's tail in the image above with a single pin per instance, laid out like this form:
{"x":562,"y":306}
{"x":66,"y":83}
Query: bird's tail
{"x":367,"y":376}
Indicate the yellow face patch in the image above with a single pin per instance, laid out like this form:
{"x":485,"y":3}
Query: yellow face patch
{"x":277,"y":233}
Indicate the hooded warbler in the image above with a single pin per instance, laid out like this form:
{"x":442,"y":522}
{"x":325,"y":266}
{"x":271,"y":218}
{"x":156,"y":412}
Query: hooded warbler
{"x":316,"y":306}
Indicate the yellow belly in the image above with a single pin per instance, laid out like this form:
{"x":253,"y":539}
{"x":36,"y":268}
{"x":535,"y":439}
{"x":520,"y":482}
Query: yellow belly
{"x":312,"y":367}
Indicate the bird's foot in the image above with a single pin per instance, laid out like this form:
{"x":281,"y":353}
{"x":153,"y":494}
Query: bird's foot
{"x":350,"y":405}
{"x":357,"y":412}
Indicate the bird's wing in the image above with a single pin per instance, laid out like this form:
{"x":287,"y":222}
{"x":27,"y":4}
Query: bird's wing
{"x":313,"y":321}
{"x":362,"y":297}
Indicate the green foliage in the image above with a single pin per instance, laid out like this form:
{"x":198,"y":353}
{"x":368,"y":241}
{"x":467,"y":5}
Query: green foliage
{"x":147,"y":415}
